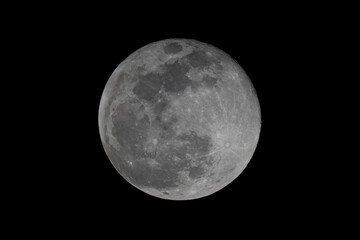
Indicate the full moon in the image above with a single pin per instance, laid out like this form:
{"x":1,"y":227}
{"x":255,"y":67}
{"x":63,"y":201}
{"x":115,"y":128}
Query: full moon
{"x":179,"y":119}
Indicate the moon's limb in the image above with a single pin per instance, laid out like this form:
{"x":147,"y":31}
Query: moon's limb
{"x":190,"y":116}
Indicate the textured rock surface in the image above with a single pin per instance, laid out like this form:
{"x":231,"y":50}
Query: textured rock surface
{"x":179,"y":119}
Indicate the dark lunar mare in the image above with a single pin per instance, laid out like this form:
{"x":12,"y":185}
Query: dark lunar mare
{"x":174,"y":79}
{"x":198,"y":58}
{"x":172,"y":48}
{"x":148,"y":86}
{"x":209,"y":81}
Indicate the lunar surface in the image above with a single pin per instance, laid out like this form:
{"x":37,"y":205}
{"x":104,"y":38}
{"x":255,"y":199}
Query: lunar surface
{"x":179,"y":119}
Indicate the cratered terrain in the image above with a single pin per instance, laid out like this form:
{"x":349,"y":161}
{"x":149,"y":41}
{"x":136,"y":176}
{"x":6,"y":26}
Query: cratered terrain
{"x":179,"y":119}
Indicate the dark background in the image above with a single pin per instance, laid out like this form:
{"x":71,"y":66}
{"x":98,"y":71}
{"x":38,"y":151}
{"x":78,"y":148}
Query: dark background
{"x":71,"y":53}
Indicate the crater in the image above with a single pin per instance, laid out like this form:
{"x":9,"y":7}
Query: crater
{"x":196,"y":172}
{"x":172,"y":48}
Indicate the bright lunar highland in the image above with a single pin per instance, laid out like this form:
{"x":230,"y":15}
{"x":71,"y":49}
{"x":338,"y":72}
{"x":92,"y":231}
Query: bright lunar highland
{"x":179,"y":119}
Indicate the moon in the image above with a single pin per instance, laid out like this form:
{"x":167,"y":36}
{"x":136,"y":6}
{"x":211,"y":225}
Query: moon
{"x":179,"y":119}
